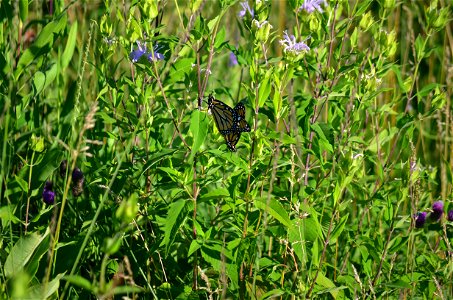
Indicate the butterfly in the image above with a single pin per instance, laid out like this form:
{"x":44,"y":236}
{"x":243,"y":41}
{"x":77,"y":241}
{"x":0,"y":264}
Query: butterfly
{"x":226,"y":118}
{"x":232,"y":139}
{"x":230,"y":122}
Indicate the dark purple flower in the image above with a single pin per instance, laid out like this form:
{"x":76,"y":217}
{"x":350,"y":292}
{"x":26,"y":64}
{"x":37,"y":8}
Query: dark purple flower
{"x":48,"y":196}
{"x":312,"y":5}
{"x":77,"y":182}
{"x":438,"y":210}
{"x":420,"y":219}
{"x":233,"y":59}
{"x":77,"y":175}
{"x":450,"y":216}
{"x":245,"y":8}
{"x":63,"y":166}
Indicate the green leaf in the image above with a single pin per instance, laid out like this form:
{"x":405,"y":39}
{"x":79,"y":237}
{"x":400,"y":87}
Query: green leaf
{"x":79,"y":281}
{"x":173,"y":222}
{"x":213,"y":255}
{"x":23,"y":10}
{"x":325,"y":285}
{"x":275,"y":209}
{"x":220,"y":37}
{"x":22,"y":183}
{"x":7,"y":215}
{"x":21,"y":252}
{"x":194,"y":246}
{"x":199,"y":129}
{"x":70,"y":46}
{"x":265,"y":88}
{"x":338,"y":229}
{"x":181,"y":67}
{"x":322,"y":139}
{"x":38,"y":292}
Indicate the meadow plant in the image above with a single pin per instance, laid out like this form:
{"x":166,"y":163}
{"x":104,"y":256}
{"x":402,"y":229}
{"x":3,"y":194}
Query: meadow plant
{"x":326,"y":196}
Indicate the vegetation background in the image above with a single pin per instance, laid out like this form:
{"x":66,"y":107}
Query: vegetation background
{"x":352,"y":139}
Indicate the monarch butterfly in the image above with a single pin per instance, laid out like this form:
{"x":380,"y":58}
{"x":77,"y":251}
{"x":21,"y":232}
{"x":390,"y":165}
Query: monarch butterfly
{"x":230,"y":122}
{"x":232,"y":139}
{"x":227,"y":119}
{"x":224,"y":116}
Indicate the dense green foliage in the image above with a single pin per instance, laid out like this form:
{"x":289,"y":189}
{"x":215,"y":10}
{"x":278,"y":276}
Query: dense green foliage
{"x":350,"y":109}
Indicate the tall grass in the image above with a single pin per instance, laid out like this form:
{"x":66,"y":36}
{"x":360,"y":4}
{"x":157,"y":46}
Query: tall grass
{"x":350,"y":108}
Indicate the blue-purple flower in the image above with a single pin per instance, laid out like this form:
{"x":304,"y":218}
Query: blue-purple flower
{"x":142,"y":50}
{"x":48,"y":196}
{"x":420,"y":219}
{"x":291,"y":45}
{"x":233,"y":59}
{"x":312,"y":5}
{"x":245,"y":8}
{"x":438,"y":210}
{"x":450,"y":216}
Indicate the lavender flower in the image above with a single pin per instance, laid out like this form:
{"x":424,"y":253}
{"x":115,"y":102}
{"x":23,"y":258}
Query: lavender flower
{"x":290,"y":44}
{"x":233,"y":59}
{"x":420,"y":219}
{"x":48,"y":196}
{"x":438,"y":210}
{"x":142,"y":50}
{"x":450,"y":216}
{"x":245,"y":8}
{"x":312,"y":5}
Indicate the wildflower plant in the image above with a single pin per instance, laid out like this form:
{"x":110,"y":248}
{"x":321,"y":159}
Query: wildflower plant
{"x":333,"y":192}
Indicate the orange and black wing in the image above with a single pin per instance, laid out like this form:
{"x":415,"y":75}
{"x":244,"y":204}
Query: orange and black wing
{"x":224,"y":116}
{"x":232,"y":139}
{"x":240,"y":124}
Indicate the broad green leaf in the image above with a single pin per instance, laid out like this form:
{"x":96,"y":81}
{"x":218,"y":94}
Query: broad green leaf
{"x":220,"y":37}
{"x":275,"y":209}
{"x":38,"y":292}
{"x":265,"y":88}
{"x":322,"y":139}
{"x":182,"y":66}
{"x":194,"y":246}
{"x":213,"y":255}
{"x":21,"y":252}
{"x":325,"y":285}
{"x":23,"y":10}
{"x":338,"y":229}
{"x":22,"y":183}
{"x":70,"y":46}
{"x":79,"y":281}
{"x":173,"y":221}
{"x":7,"y":215}
{"x":199,"y":129}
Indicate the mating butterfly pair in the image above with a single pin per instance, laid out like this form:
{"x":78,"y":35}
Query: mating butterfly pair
{"x":229,"y":121}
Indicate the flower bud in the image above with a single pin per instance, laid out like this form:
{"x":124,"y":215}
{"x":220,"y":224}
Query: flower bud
{"x":48,"y":196}
{"x":420,"y":219}
{"x":438,"y":210}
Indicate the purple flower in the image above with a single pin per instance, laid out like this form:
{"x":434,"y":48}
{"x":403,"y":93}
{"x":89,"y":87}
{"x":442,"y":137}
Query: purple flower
{"x":63,"y":166}
{"x":48,"y":196}
{"x":77,"y":175}
{"x":420,"y":219}
{"x":245,"y":8}
{"x":77,"y":180}
{"x":142,"y":50}
{"x":312,"y":5}
{"x":450,"y":216}
{"x":136,"y":54}
{"x":233,"y":59}
{"x":438,"y":210}
{"x":290,"y":44}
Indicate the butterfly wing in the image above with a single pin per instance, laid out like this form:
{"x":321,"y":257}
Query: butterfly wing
{"x":224,"y":116}
{"x":232,"y":139}
{"x":240,"y":124}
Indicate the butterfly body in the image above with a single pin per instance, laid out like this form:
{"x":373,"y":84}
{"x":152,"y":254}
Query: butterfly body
{"x":229,"y":121}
